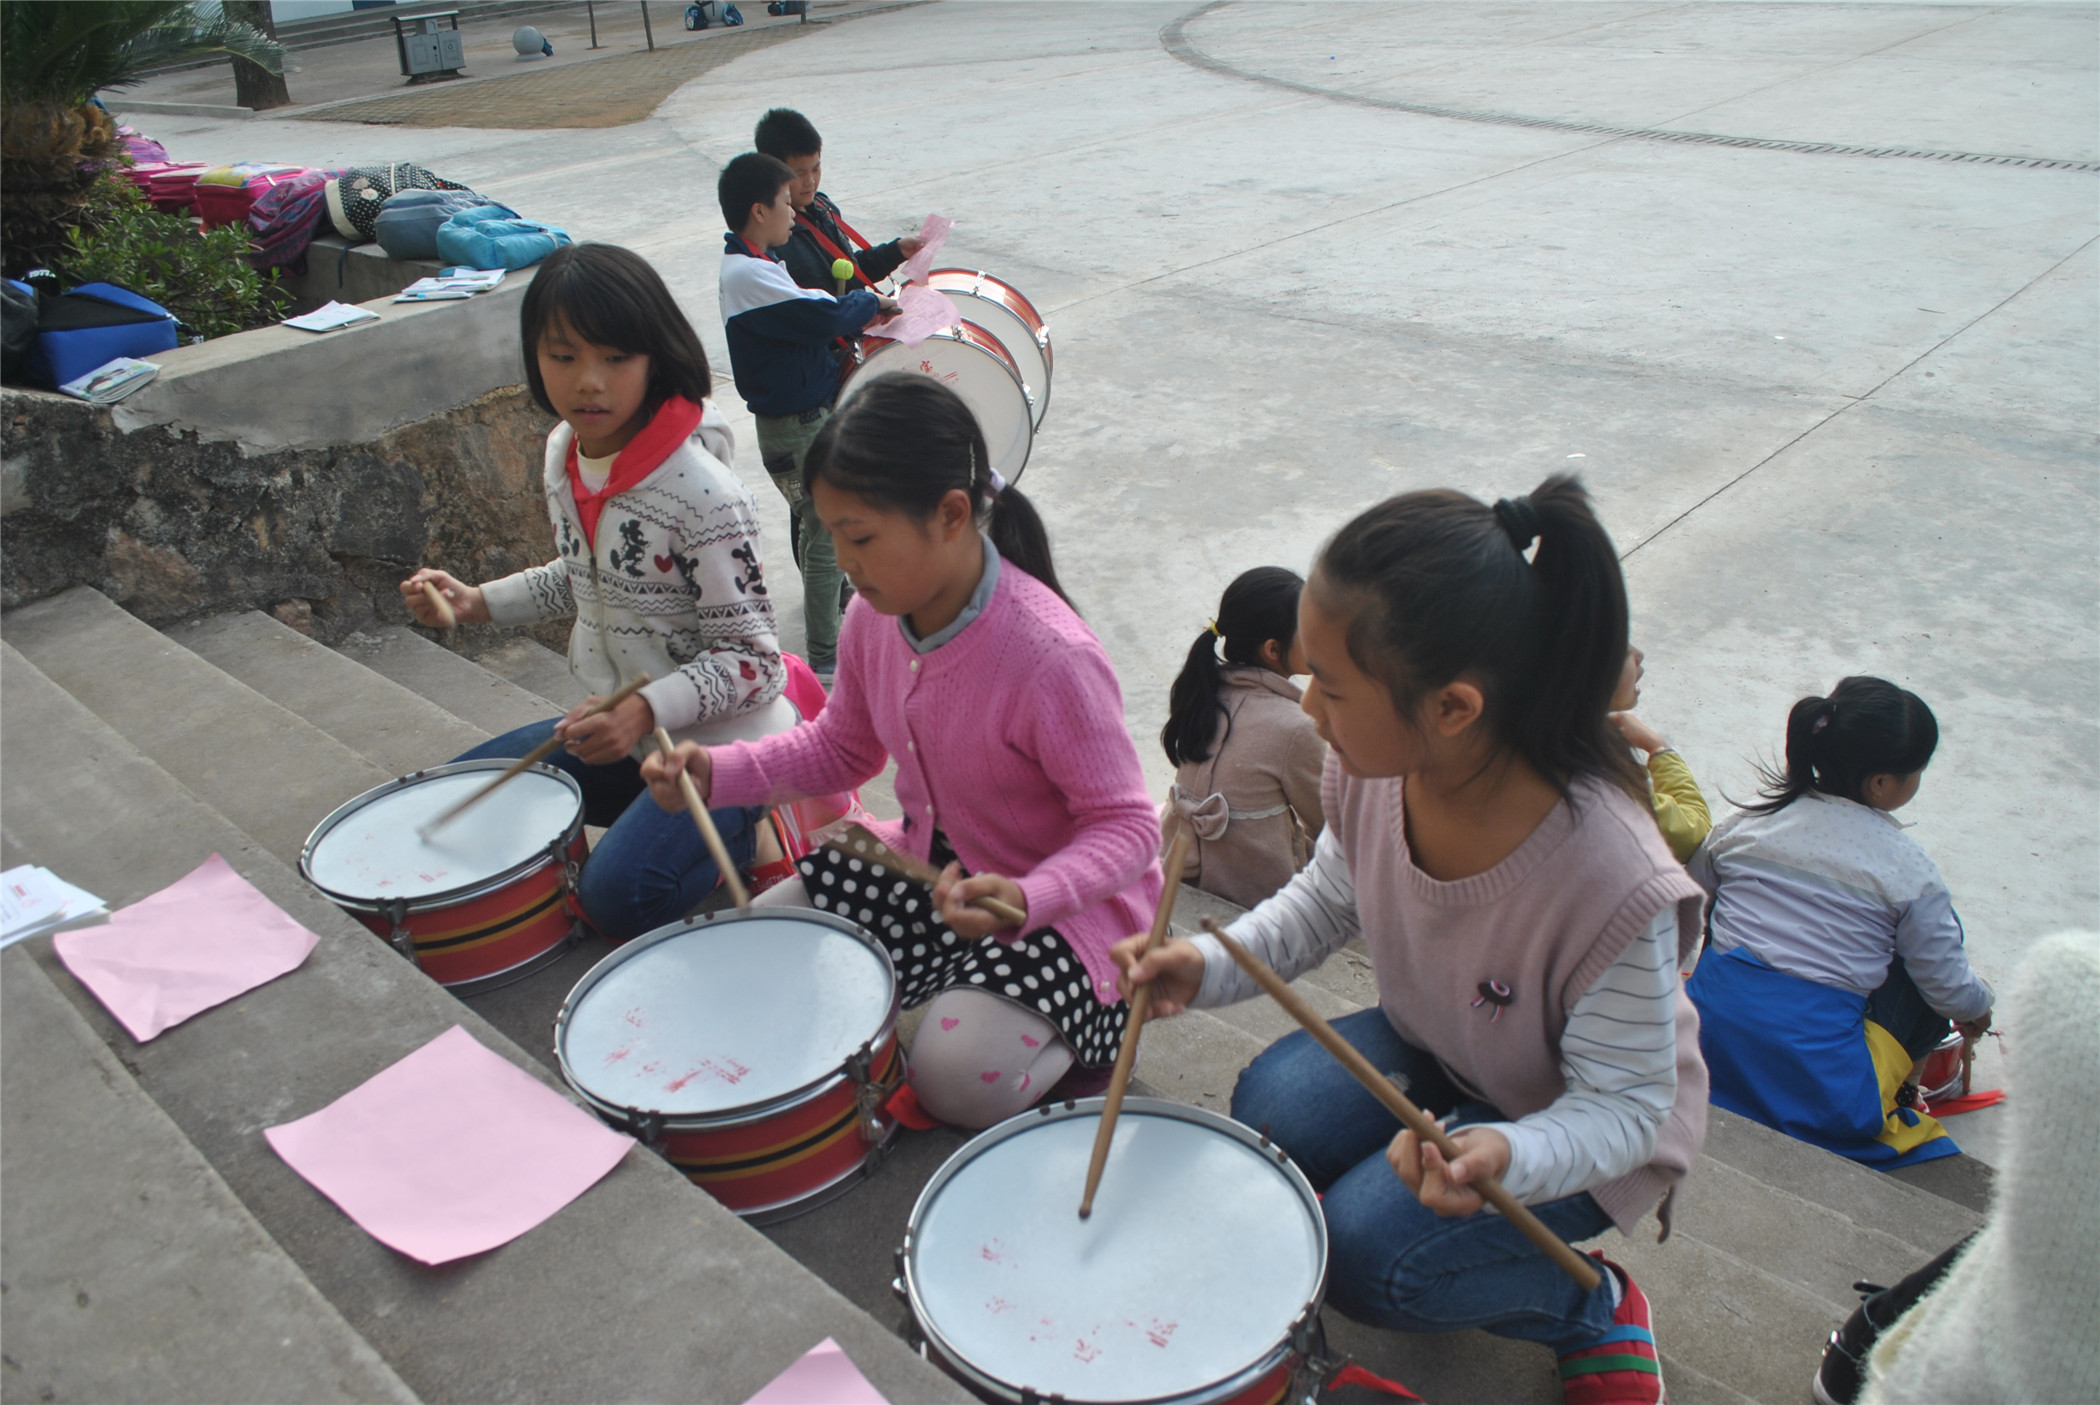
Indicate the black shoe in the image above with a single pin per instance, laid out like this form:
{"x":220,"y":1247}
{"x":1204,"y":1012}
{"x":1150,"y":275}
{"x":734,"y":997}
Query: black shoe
{"x":1844,"y":1368}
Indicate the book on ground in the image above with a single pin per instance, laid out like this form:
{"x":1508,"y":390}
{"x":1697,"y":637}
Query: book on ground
{"x":34,"y":900}
{"x":330,"y":317}
{"x":111,"y":381}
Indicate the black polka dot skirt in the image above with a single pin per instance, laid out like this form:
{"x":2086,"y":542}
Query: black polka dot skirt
{"x":1040,"y":972}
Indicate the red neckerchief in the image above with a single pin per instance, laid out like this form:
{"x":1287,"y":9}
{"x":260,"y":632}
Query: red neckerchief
{"x":824,"y":243}
{"x":673,"y":424}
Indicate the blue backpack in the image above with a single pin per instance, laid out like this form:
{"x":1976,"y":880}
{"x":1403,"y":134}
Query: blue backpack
{"x":408,"y":223}
{"x":494,"y":237}
{"x":93,"y":325}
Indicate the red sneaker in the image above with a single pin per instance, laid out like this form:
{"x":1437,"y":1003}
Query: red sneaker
{"x":1620,"y":1367}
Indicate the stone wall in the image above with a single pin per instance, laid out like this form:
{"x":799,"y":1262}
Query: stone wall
{"x":171,"y":525}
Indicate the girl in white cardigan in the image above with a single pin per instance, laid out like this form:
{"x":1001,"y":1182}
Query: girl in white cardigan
{"x":659,"y":563}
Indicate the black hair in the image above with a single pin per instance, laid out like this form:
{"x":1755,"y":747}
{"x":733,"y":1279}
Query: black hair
{"x":612,"y":297}
{"x":1436,"y":586}
{"x":785,"y":134}
{"x":751,"y":179}
{"x":1867,"y":727}
{"x":1260,"y":605}
{"x":904,"y":443}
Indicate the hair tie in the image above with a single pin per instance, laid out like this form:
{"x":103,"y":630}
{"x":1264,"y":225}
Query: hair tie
{"x":1213,"y":627}
{"x":998,"y":483}
{"x":1825,"y":712}
{"x":1520,"y":519}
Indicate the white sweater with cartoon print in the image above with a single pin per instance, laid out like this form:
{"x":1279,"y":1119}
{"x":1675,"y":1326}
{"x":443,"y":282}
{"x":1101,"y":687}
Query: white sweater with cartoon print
{"x":670,"y":584}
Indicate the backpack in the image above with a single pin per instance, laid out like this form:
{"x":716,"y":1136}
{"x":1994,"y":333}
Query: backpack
{"x":408,"y":223}
{"x":494,"y":237}
{"x":285,"y":218}
{"x":355,"y":199}
{"x":91,"y":326}
{"x":696,"y":17}
{"x":18,"y":315}
{"x":225,"y":194}
{"x":732,"y":15}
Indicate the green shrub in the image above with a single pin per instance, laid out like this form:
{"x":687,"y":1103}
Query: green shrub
{"x":203,"y":278}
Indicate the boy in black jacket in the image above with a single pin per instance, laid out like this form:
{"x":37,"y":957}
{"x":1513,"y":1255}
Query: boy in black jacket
{"x":820,"y":235}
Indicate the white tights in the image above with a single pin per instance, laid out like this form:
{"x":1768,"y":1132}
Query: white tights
{"x":977,"y":1059}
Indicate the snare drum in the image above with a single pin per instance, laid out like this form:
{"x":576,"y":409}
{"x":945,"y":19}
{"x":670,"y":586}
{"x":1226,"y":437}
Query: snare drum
{"x":975,"y":366}
{"x":1198,"y":1277}
{"x":999,"y":308}
{"x":488,"y":898}
{"x":753,"y":1049}
{"x":1941,"y":1078}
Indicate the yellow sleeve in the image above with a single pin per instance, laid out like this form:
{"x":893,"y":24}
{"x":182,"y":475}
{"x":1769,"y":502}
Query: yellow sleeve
{"x":1680,"y":810}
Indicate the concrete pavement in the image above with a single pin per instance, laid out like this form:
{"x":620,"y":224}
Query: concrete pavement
{"x":1838,"y":411}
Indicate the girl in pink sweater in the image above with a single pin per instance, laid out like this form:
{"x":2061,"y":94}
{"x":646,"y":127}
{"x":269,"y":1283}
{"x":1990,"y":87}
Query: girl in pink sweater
{"x":960,"y":658}
{"x":1490,"y":840}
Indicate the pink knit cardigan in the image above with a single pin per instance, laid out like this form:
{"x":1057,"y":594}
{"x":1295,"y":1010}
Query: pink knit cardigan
{"x":1009,"y":737}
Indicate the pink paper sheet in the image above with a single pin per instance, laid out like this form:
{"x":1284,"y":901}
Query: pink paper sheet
{"x":925,"y":312}
{"x":932,"y":235}
{"x":822,"y":1377}
{"x":450,"y":1152}
{"x":196,"y":943}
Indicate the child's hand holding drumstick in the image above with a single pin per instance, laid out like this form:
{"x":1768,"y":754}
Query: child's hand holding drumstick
{"x":662,"y":772}
{"x":1175,"y":969}
{"x":465,"y":601}
{"x":953,"y":895}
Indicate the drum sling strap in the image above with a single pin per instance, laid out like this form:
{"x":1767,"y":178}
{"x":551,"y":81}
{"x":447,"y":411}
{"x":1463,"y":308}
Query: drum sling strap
{"x":849,"y":345}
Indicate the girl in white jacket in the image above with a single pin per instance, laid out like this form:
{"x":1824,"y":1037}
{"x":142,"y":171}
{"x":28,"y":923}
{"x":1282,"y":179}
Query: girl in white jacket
{"x":659,"y":563}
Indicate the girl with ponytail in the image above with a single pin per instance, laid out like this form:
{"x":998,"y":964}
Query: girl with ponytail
{"x":961,"y":660}
{"x":1837,"y":962}
{"x":1248,"y":759}
{"x":1489,"y":839}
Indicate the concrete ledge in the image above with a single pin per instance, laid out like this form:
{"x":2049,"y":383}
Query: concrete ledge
{"x":176,"y":1293}
{"x":186,"y":109}
{"x":642,"y":1289}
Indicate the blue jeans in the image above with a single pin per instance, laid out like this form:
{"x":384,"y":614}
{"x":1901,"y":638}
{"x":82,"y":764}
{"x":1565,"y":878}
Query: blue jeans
{"x":651,"y":868}
{"x":1391,"y":1262}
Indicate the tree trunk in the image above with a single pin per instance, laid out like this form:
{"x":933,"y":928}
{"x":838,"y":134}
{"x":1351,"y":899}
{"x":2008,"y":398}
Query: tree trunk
{"x":255,"y":86}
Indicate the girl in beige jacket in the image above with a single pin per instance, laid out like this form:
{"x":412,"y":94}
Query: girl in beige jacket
{"x":1248,"y":760}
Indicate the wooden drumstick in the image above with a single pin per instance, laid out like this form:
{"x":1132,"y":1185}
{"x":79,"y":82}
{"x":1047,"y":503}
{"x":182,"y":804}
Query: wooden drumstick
{"x":1140,"y":1006}
{"x":1577,"y":1266}
{"x":706,"y":822}
{"x":857,"y":840}
{"x":446,"y":617}
{"x":539,"y":753}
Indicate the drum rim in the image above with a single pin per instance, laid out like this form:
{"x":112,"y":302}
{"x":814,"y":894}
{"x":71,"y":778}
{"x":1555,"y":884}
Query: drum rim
{"x":981,"y":276}
{"x":743,"y":1113}
{"x":1039,"y":335}
{"x":450,"y":897}
{"x":1222,"y":1389}
{"x":1003,"y":357}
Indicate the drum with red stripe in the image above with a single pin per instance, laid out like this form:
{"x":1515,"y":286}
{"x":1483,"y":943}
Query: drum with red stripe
{"x":1197,"y":1279}
{"x":753,"y":1049}
{"x":975,"y":365}
{"x":486,"y":899}
{"x":1001,"y":309}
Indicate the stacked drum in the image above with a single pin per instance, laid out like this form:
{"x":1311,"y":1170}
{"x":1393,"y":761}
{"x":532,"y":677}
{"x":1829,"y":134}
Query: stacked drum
{"x":997,"y":358}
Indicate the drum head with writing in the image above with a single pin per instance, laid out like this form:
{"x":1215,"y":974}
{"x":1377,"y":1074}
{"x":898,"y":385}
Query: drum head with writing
{"x":1199,"y":1256}
{"x":371,"y":853}
{"x":983,"y":375}
{"x":700,"y":1020}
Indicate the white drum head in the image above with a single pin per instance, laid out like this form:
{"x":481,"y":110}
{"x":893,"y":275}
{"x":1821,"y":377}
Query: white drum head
{"x":984,"y":379}
{"x":699,"y":1020}
{"x":370,"y":853}
{"x":1200,"y":1255}
{"x":1017,"y":337}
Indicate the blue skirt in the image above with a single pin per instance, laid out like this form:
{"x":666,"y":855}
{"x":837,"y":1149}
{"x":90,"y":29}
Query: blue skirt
{"x":1804,"y":1058}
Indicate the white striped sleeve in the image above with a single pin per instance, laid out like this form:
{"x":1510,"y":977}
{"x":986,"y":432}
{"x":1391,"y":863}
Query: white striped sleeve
{"x":1295,"y":930}
{"x":1619,"y":1057}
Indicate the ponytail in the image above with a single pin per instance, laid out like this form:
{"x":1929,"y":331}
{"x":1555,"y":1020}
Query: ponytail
{"x":1260,"y":605}
{"x":1436,"y":585}
{"x":905,"y":442}
{"x":1867,"y":727}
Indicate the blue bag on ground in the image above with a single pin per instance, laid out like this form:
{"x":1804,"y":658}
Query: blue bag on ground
{"x":493,"y":237}
{"x":408,"y":223}
{"x":93,"y":325}
{"x":732,"y":15}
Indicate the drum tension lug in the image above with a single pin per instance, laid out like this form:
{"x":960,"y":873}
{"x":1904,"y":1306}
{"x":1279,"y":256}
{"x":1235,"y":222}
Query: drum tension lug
{"x":403,"y":940}
{"x":870,"y":1093}
{"x":647,"y":1127}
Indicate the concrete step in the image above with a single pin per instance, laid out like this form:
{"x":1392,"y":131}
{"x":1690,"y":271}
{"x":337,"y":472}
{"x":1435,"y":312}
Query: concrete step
{"x":177,"y":1293}
{"x":453,"y":682}
{"x":270,"y":772}
{"x":699,"y":1305}
{"x":393,"y":728}
{"x":535,"y":668}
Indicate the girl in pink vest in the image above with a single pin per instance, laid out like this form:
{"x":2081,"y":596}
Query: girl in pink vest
{"x":1490,"y":839}
{"x":960,"y":659}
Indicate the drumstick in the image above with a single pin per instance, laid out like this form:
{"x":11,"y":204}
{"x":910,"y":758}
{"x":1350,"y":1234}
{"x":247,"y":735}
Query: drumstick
{"x":708,"y":832}
{"x":446,"y":618}
{"x":1140,"y":1006}
{"x":858,"y":840}
{"x":537,"y":754}
{"x":1575,"y":1265}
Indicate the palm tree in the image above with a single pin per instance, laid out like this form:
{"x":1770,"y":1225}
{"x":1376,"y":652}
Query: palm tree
{"x":54,"y":141}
